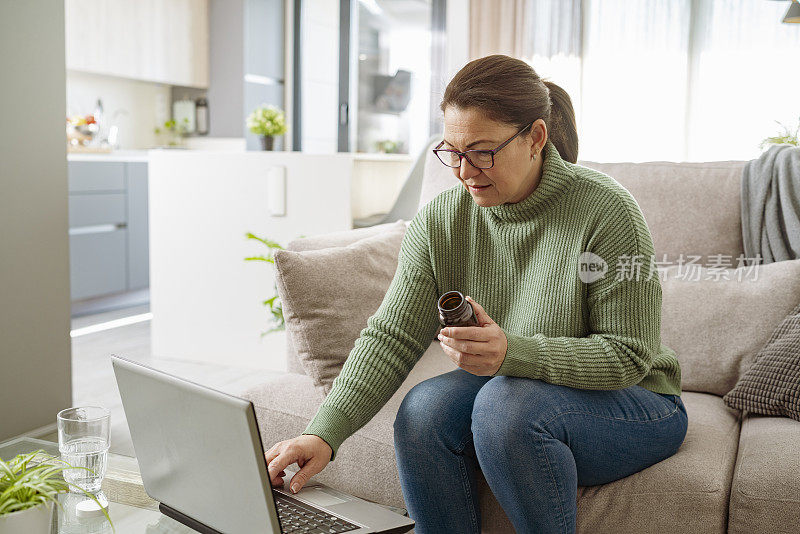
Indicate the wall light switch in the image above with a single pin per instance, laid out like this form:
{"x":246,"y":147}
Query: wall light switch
{"x":276,"y":187}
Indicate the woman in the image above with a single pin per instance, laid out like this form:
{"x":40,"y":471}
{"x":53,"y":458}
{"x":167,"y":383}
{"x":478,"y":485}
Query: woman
{"x":565,"y":382}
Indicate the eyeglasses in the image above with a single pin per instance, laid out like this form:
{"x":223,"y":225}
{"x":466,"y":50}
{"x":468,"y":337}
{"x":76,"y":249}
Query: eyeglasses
{"x":480,"y":159}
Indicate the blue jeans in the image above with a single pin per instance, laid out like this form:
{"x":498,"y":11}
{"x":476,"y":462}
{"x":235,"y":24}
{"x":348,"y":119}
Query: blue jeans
{"x":535,"y":442}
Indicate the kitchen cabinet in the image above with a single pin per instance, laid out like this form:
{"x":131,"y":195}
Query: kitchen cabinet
{"x":97,"y":264}
{"x":264,"y":39}
{"x":164,"y":41}
{"x":108,"y":227}
{"x":248,"y":64}
{"x":264,"y":66}
{"x":138,"y":248}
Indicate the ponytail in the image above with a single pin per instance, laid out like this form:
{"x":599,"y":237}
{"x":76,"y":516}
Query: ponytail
{"x":508,"y":90}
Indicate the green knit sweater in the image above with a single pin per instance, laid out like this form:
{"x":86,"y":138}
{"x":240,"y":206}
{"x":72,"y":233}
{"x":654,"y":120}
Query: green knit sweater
{"x":521,"y":263}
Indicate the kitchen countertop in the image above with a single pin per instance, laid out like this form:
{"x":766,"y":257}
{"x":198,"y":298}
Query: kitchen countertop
{"x":116,"y":155}
{"x":141,"y":155}
{"x":379,"y":156}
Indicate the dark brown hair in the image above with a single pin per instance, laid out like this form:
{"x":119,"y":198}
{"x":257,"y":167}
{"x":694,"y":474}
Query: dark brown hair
{"x":508,"y":90}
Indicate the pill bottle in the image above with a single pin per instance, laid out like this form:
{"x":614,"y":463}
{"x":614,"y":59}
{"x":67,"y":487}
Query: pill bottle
{"x":455,"y":310}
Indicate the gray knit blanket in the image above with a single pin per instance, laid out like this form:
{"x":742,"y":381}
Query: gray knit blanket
{"x":771,"y":205}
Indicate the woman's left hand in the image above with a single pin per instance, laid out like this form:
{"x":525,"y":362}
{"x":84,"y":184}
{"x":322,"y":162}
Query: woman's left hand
{"x":479,"y":350}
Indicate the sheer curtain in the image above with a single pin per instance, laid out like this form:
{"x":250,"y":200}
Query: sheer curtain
{"x":746,"y":76}
{"x":495,"y":27}
{"x":669,"y":80}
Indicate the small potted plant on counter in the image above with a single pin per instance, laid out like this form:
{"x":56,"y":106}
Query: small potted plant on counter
{"x":172,"y":132}
{"x":267,"y":122}
{"x":29,"y":485}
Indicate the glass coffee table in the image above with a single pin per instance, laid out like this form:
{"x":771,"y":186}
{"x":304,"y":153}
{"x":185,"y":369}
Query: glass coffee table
{"x":130,"y":508}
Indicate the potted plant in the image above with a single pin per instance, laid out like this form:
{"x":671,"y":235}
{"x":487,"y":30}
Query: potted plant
{"x":274,"y":302}
{"x":388,"y":146}
{"x":788,"y":137}
{"x":267,"y":122}
{"x":29,"y":485}
{"x":173,"y":132}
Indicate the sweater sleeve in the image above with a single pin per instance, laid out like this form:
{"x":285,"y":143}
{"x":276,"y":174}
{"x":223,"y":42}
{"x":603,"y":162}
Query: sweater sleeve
{"x":386,"y":350}
{"x":624,"y":315}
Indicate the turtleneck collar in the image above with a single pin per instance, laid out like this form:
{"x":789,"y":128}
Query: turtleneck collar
{"x":556,"y":180}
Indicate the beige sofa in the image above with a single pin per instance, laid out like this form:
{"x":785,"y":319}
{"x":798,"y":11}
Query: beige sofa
{"x":735,"y":472}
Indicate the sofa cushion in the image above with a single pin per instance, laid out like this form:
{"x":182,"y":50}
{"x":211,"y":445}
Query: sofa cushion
{"x":765,"y":495}
{"x":341,"y":238}
{"x":772,"y":384}
{"x":717,"y":326}
{"x":328,"y":294}
{"x":693,"y":484}
{"x":331,"y":239}
{"x":293,"y":364}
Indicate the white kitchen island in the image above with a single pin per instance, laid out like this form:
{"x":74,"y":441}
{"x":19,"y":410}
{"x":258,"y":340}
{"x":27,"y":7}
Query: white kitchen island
{"x":205,"y":298}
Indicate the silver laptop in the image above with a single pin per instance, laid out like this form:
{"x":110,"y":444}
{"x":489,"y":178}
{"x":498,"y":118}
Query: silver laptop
{"x":201,"y":458}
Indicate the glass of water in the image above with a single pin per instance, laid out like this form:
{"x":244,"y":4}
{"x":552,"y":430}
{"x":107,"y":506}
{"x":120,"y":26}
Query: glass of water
{"x":83,"y":440}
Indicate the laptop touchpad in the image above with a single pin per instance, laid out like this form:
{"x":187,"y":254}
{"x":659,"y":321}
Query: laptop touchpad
{"x":318,"y":496}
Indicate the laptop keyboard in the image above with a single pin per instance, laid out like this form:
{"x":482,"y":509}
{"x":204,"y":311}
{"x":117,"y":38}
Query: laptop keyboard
{"x":296,"y":516}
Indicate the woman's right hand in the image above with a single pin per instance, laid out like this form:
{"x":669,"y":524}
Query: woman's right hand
{"x":312,"y":454}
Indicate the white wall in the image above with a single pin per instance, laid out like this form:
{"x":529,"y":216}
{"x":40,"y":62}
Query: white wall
{"x":205,"y":298}
{"x":34,"y":256}
{"x":142,"y":105}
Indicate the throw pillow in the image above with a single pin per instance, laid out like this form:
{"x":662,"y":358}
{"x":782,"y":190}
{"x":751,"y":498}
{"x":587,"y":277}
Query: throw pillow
{"x":772,"y":385}
{"x":327,"y":240}
{"x":341,"y":238}
{"x":328,"y":294}
{"x":716,"y":320}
